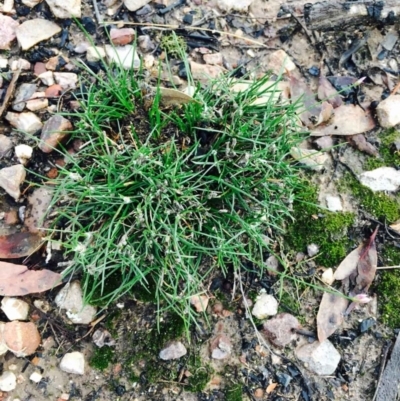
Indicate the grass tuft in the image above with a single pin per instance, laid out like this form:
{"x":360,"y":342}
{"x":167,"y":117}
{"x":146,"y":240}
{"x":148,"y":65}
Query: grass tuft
{"x":161,"y":197}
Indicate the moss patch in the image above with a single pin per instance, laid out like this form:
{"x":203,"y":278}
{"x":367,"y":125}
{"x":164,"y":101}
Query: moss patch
{"x":381,"y":206}
{"x":388,"y":156}
{"x":234,"y":393}
{"x":173,"y":45}
{"x":101,"y":358}
{"x":389,"y":288}
{"x":314,"y":225}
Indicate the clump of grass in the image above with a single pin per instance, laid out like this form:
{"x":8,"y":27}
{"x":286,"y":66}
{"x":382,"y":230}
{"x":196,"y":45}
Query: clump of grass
{"x":161,"y":197}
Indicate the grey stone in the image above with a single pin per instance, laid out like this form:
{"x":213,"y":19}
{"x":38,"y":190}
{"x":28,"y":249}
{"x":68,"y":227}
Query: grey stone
{"x":381,"y":179}
{"x":145,"y":43}
{"x":11,"y":178}
{"x":15,"y":308}
{"x":173,"y":350}
{"x":24,"y":93}
{"x":134,"y":5}
{"x":333,"y":203}
{"x":73,"y":362}
{"x":70,"y":298}
{"x":26,"y":121}
{"x":310,"y":158}
{"x":54,"y":131}
{"x":388,"y":111}
{"x":320,"y":358}
{"x":5,"y":146}
{"x":8,"y":381}
{"x":266,"y":305}
{"x":124,"y":56}
{"x":33,"y":31}
{"x":65,"y":8}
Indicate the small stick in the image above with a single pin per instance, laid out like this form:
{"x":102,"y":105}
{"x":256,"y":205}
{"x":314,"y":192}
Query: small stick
{"x":395,"y":89}
{"x":97,"y":12}
{"x":387,"y":267}
{"x":191,"y":28}
{"x":10,"y":91}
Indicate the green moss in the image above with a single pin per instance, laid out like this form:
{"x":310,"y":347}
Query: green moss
{"x":101,"y":358}
{"x":315,"y":225}
{"x":389,"y":288}
{"x":234,"y":393}
{"x":378,"y":204}
{"x":199,"y":379}
{"x":173,"y":45}
{"x":388,"y":157}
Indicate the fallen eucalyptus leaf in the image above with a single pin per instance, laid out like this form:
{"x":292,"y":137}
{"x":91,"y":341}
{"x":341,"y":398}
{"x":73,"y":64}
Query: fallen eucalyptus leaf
{"x":348,"y":266}
{"x":19,"y":244}
{"x":18,"y":280}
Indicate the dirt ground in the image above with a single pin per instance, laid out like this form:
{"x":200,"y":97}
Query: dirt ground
{"x":131,"y":369}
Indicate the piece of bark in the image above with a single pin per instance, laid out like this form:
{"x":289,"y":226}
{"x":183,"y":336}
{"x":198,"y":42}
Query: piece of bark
{"x":331,"y":15}
{"x":388,"y":386}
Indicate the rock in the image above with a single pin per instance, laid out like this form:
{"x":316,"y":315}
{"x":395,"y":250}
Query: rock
{"x":31,"y":3}
{"x":102,"y":337}
{"x":3,"y":346}
{"x":21,"y":338}
{"x":73,"y":362}
{"x":310,"y":158}
{"x":280,"y":63}
{"x":33,"y":31}
{"x":53,"y":91}
{"x":122,"y":37}
{"x":320,"y":358}
{"x":5,"y":146}
{"x":8,"y":6}
{"x":388,"y":111}
{"x":71,"y":299}
{"x":173,"y":350}
{"x":20,"y":64}
{"x":36,"y":377}
{"x":134,"y":5}
{"x":11,"y":178}
{"x":312,"y":250}
{"x":15,"y":308}
{"x":65,"y":8}
{"x":23,"y":93}
{"x":125,"y":56}
{"x":148,"y":61}
{"x":272,"y":264}
{"x":47,"y":78}
{"x":95,"y":53}
{"x":37,"y":104}
{"x":205,"y":71}
{"x":213,"y":59}
{"x":26,"y":122}
{"x":145,"y":43}
{"x":266,"y":305}
{"x":54,"y":131}
{"x":280,"y":330}
{"x":333,"y":203}
{"x":8,"y":381}
{"x":67,"y":80}
{"x":327,"y":276}
{"x":381,"y":179}
{"x":38,"y":206}
{"x":39,"y":68}
{"x":3,"y":63}
{"x":56,"y":63}
{"x":236,"y":5}
{"x":220,"y":347}
{"x":8,"y":27}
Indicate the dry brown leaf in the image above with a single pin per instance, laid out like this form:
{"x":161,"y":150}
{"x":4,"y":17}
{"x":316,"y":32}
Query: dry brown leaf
{"x":199,"y":302}
{"x":308,"y":107}
{"x":367,"y":265}
{"x":347,"y":120}
{"x":327,"y":92}
{"x":173,"y":97}
{"x":348,"y":266}
{"x":325,"y":114}
{"x":330,"y":314}
{"x":360,"y":143}
{"x":271,"y":387}
{"x":19,"y":244}
{"x":17,"y":280}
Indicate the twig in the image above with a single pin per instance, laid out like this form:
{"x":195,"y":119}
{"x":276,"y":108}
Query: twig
{"x":10,"y":91}
{"x":395,"y":89}
{"x":97,"y":12}
{"x":388,"y":267}
{"x":190,"y":28}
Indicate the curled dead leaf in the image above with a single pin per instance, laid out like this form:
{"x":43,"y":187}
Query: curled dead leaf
{"x":348,"y":266}
{"x":18,"y":245}
{"x":330,"y":314}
